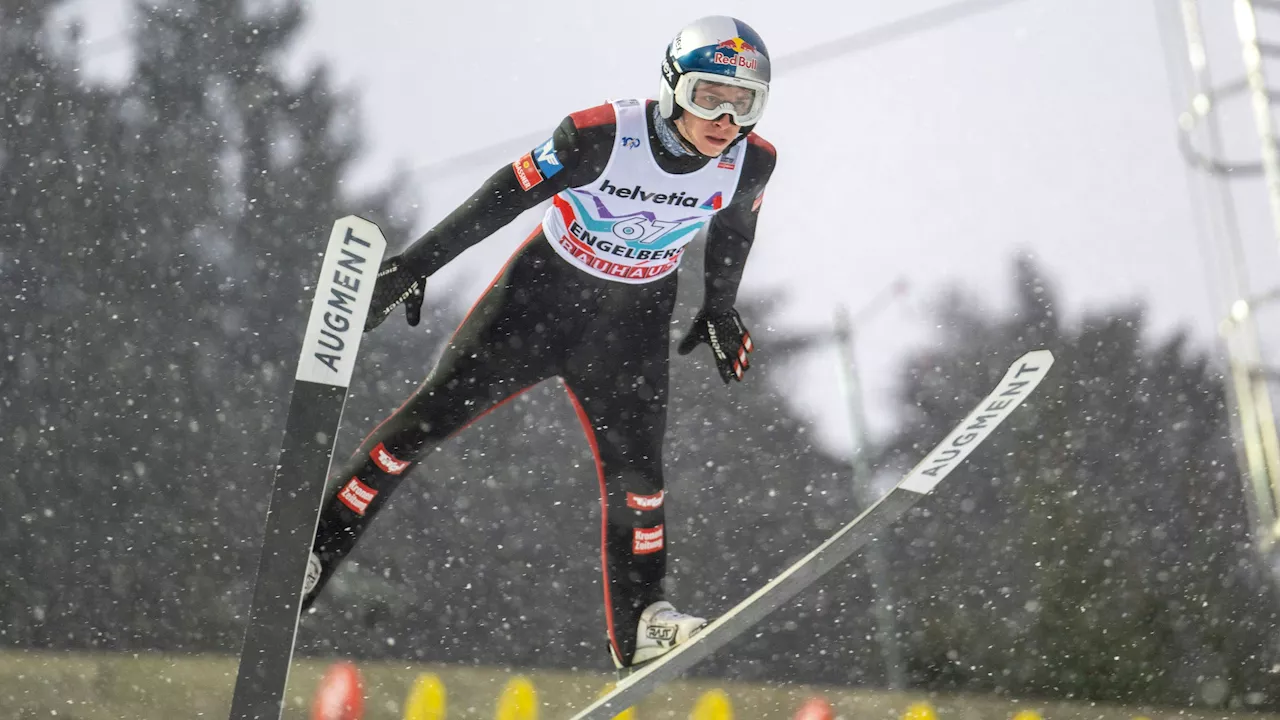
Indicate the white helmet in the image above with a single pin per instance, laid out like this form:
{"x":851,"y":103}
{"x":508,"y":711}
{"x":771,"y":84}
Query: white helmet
{"x":708,"y":55}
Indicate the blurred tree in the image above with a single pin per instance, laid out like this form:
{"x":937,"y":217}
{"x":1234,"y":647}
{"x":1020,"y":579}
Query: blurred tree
{"x":266,"y":159}
{"x":1096,"y":547}
{"x":168,"y":227}
{"x":54,"y":320}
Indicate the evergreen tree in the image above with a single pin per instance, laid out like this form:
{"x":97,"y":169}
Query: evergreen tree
{"x":173,"y":224}
{"x":56,"y":317}
{"x":1095,"y":547}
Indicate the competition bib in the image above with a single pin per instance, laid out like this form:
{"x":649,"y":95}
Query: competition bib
{"x":632,"y":223}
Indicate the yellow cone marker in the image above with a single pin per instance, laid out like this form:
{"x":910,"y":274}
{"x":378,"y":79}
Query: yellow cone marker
{"x":426,"y":699}
{"x":713,"y":705}
{"x":519,"y":701}
{"x":1027,"y":715}
{"x":920,"y":711}
{"x":628,"y":714}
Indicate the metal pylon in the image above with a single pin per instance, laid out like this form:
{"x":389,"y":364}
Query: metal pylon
{"x":1202,"y":144}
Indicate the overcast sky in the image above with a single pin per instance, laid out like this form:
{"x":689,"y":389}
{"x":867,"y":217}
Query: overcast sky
{"x":1043,"y":127}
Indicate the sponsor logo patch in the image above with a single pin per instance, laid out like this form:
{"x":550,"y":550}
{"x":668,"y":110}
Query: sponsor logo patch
{"x":527,"y":172}
{"x":714,"y":202}
{"x":387,"y":462}
{"x":587,"y":256}
{"x":661,"y":634}
{"x":646,"y":502}
{"x":547,"y":160}
{"x":639,"y":193}
{"x":737,"y":45}
{"x":357,"y":496}
{"x":646,"y":540}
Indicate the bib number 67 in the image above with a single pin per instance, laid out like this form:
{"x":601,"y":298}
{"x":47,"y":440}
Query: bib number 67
{"x":642,"y":230}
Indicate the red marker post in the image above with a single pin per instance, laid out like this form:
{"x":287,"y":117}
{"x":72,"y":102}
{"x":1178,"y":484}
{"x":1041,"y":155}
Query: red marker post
{"x":816,"y":708}
{"x":340,"y":694}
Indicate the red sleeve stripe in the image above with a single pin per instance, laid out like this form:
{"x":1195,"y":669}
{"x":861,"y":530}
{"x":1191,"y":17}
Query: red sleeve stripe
{"x":761,"y":143}
{"x":591,"y":117}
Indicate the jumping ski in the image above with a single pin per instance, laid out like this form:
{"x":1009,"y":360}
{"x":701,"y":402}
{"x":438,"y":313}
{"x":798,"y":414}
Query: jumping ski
{"x":329,"y":347}
{"x":1017,"y":384}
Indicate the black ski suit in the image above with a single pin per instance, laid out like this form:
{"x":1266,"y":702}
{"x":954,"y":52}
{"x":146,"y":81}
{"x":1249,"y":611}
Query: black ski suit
{"x":543,"y":318}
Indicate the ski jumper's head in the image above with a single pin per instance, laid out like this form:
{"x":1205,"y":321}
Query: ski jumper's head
{"x":715,"y":82}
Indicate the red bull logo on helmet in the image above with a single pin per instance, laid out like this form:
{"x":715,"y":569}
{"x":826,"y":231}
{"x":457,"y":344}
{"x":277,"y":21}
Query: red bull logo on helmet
{"x":735,"y":60}
{"x":737,"y":46}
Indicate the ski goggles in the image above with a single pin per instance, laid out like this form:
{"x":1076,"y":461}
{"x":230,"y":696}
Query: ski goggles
{"x":708,"y":96}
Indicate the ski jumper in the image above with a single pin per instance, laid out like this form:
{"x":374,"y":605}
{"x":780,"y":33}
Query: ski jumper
{"x":587,"y":298}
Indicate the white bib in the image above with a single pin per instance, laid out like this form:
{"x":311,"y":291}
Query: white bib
{"x":631,"y":224}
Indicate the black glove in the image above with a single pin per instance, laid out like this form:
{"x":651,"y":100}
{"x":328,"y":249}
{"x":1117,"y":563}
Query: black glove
{"x":395,"y":285}
{"x":729,"y":340}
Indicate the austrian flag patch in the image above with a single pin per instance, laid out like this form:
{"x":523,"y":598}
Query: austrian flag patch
{"x":646,"y":540}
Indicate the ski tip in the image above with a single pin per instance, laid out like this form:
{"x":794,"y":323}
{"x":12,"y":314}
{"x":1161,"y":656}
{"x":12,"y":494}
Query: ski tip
{"x":1037,"y":357}
{"x":348,"y":275}
{"x":364,"y":228}
{"x":1022,"y":378}
{"x":353,"y":218}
